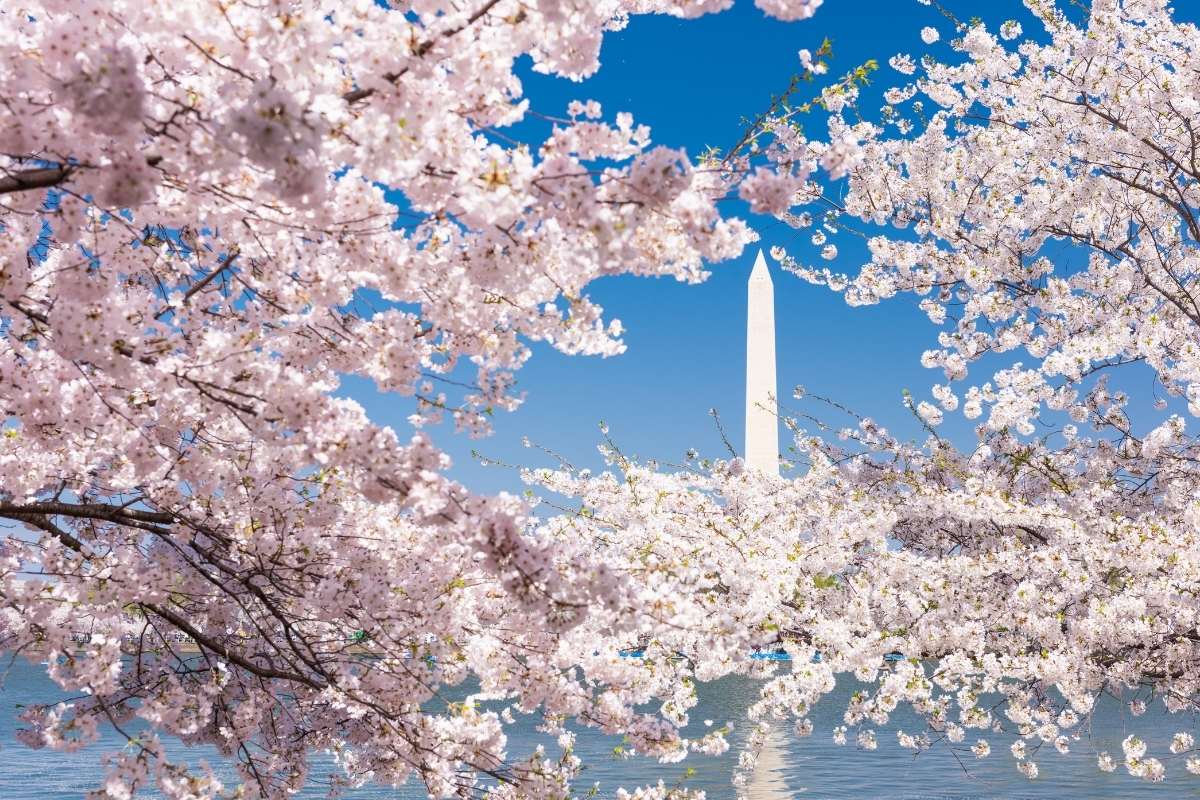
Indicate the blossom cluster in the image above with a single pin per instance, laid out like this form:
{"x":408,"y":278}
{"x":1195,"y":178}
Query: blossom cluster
{"x":213,"y":216}
{"x":205,"y":233}
{"x":1038,"y":199}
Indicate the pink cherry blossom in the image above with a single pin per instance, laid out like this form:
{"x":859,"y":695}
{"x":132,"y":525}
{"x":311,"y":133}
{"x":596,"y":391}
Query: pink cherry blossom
{"x":206,"y":234}
{"x":216,"y":215}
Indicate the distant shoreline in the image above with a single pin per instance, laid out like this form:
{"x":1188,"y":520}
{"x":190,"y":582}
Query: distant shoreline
{"x":30,"y":652}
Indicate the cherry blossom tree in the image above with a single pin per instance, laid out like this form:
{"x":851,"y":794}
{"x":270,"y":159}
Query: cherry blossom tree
{"x":200,"y":242}
{"x":1040,"y":197}
{"x":214,"y":212}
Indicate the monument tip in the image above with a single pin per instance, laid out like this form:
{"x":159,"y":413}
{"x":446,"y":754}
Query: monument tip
{"x":760,"y":271}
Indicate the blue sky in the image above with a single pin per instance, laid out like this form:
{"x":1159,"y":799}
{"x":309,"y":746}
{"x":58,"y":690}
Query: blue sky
{"x":694,"y":83}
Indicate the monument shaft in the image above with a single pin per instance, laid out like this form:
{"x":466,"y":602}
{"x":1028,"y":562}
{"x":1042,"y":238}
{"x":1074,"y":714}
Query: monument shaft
{"x":762,"y":420}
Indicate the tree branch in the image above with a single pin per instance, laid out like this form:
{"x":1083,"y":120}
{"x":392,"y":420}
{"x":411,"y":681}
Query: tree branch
{"x":28,"y":179}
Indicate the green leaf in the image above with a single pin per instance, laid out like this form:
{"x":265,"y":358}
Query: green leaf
{"x":825,"y":581}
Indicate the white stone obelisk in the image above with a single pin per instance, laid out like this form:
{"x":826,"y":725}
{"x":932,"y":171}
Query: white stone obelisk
{"x":762,"y":419}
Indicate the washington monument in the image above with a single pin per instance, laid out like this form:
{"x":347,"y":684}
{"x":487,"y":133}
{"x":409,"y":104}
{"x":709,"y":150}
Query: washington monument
{"x":762,"y":420}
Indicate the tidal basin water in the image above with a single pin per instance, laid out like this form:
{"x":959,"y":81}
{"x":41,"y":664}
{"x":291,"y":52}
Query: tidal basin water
{"x":812,"y":767}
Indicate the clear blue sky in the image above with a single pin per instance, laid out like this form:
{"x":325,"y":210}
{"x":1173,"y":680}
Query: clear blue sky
{"x":695,"y":82}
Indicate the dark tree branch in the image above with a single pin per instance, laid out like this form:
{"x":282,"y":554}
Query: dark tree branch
{"x":28,"y":179}
{"x":225,"y":264}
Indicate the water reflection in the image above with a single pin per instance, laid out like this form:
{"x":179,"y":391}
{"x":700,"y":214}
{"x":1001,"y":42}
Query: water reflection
{"x":812,"y":767}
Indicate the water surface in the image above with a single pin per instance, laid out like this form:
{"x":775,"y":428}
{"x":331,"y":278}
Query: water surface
{"x":813,"y":768}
